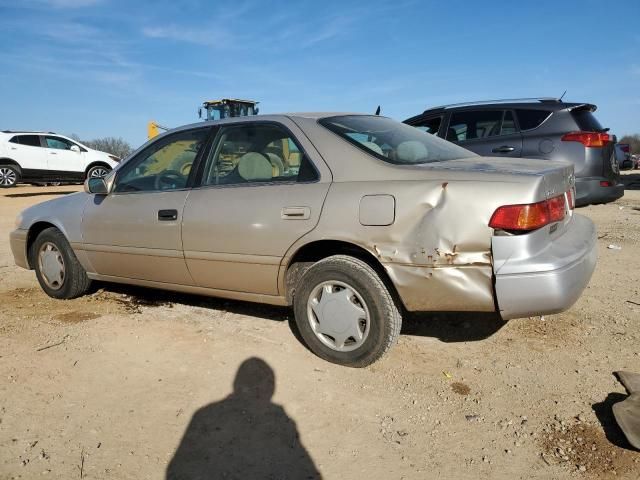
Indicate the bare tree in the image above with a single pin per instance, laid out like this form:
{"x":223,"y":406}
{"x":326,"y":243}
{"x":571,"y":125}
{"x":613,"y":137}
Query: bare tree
{"x":114,"y":145}
{"x":633,"y":141}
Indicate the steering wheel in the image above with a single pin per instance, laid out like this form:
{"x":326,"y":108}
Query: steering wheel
{"x":171,"y":178}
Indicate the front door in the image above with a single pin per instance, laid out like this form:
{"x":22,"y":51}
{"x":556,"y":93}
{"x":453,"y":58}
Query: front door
{"x":134,"y":232}
{"x":262,"y":189}
{"x":60,"y":157}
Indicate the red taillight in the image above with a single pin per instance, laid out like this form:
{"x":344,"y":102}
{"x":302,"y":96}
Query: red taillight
{"x":588,"y":139}
{"x":529,"y":216}
{"x":625,"y":147}
{"x":605,"y":183}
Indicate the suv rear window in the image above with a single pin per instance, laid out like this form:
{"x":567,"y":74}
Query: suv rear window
{"x":392,"y":141}
{"x":530,"y":119}
{"x":586,"y":121}
{"x":30,"y":140}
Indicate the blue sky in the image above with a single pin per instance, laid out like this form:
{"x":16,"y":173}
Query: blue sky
{"x":105,"y":67}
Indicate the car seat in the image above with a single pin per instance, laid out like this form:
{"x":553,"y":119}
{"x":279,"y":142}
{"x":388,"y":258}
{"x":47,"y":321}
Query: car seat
{"x":254,"y":167}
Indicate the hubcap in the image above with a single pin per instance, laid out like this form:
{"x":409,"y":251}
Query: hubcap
{"x":338,"y":316}
{"x":7,"y":176}
{"x":51,"y":265}
{"x":98,"y":172}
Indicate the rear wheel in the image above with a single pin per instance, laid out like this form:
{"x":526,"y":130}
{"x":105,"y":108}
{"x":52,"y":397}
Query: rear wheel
{"x":98,"y":171}
{"x":345,"y":313}
{"x":9,"y":176}
{"x":58,"y":271}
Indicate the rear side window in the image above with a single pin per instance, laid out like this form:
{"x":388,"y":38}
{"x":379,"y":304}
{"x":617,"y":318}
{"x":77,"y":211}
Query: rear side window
{"x":391,"y":141}
{"x":29,"y":140}
{"x":429,"y":125}
{"x":586,"y":121}
{"x":475,"y":124}
{"x":530,"y":119}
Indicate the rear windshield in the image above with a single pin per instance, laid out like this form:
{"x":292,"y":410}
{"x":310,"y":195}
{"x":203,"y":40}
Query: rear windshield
{"x":392,"y":141}
{"x":586,"y":121}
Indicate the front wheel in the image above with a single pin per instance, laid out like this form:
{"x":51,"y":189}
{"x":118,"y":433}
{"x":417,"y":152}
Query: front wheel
{"x":58,"y":270}
{"x":9,"y":176}
{"x":98,"y":171}
{"x":345,"y":313}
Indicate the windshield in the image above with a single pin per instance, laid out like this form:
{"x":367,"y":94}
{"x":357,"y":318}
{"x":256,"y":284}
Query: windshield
{"x":392,"y":141}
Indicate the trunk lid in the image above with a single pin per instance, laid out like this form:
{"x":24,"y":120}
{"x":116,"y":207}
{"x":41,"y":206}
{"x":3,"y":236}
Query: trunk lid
{"x":557,"y":176}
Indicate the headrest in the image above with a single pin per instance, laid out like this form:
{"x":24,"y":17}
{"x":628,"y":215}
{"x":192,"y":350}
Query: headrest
{"x":412,"y":151}
{"x":254,"y":167}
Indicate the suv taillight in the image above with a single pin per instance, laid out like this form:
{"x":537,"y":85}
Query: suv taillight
{"x":530,"y":216}
{"x":624,"y":147}
{"x":588,"y":139}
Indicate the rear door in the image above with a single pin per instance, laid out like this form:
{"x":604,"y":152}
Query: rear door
{"x":28,"y":152}
{"x":487,"y":132}
{"x":262,"y":188}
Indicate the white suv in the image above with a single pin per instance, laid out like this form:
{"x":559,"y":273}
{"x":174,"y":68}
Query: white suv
{"x":34,"y":157}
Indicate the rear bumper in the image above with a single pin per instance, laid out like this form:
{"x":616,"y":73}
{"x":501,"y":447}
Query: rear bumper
{"x":18,"y":243}
{"x":536,"y":276}
{"x":588,"y":190}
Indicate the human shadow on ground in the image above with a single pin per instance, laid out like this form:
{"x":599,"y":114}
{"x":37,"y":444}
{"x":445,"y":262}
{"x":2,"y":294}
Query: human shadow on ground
{"x":243,"y":436}
{"x":604,"y":413}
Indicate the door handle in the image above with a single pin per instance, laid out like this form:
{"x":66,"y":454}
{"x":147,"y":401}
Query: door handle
{"x":295,"y":213}
{"x":53,"y":153}
{"x":167,"y":215}
{"x":503,"y":149}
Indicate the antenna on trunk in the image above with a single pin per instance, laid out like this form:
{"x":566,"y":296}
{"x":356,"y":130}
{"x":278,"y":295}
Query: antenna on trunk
{"x":562,"y":96}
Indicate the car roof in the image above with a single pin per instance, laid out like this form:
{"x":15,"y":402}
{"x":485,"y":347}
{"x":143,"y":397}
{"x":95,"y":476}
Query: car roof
{"x":28,"y":132}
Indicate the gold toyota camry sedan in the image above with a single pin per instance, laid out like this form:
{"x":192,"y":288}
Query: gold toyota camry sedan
{"x":350,"y":219}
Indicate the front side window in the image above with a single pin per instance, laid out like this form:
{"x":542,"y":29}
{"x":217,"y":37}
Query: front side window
{"x":392,"y":141}
{"x":429,"y":125}
{"x":58,"y":143}
{"x":29,"y":140}
{"x":260,"y":152}
{"x":164,"y":165}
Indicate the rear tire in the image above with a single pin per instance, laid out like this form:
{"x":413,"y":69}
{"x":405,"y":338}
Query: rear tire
{"x":58,"y":271}
{"x":359,"y":308}
{"x":9,"y":176}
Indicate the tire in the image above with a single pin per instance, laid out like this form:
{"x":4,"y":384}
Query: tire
{"x":74,"y":281}
{"x":9,"y":176}
{"x":343,"y":277}
{"x":96,"y":171}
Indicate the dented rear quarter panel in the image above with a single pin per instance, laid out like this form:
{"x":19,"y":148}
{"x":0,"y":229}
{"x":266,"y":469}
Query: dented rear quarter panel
{"x":437,"y":251}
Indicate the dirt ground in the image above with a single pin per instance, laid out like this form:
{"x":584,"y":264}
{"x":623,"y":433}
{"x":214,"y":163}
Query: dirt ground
{"x":106,"y":386}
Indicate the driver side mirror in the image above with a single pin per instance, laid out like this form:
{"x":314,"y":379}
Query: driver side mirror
{"x":75,"y":148}
{"x":96,"y":186}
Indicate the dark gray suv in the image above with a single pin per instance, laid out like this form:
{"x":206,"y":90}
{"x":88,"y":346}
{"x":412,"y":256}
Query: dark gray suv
{"x":545,"y":128}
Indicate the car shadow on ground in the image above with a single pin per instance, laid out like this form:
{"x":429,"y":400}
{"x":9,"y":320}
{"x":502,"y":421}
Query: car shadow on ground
{"x":604,"y":413}
{"x":150,"y":297}
{"x":451,"y":327}
{"x":38,"y":194}
{"x":447,"y":327}
{"x":244,"y":435}
{"x":631,"y":181}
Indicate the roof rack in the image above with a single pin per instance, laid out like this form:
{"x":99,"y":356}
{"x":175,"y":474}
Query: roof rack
{"x":27,"y":131}
{"x":508,"y":100}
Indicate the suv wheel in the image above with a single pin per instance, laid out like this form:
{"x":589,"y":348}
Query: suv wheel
{"x":98,"y":171}
{"x":9,"y":176}
{"x":345,"y":313}
{"x":58,"y":271}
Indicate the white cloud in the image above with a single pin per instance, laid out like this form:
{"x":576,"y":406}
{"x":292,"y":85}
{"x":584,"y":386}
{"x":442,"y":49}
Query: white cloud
{"x":202,"y":36}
